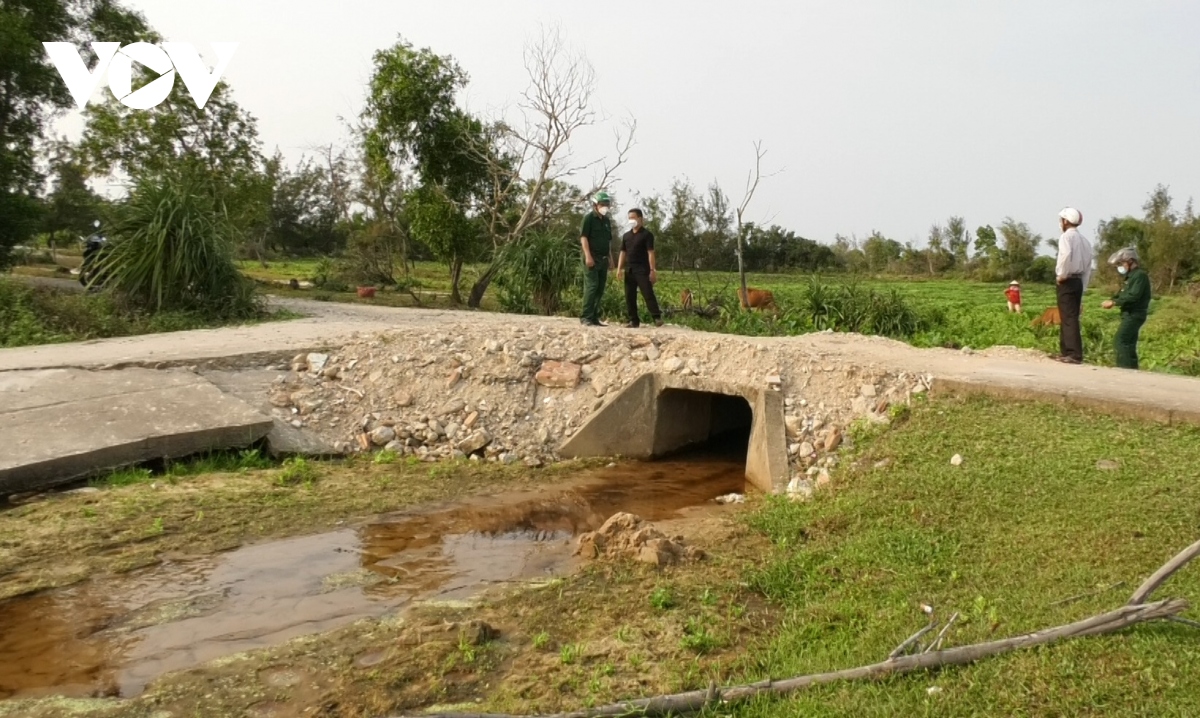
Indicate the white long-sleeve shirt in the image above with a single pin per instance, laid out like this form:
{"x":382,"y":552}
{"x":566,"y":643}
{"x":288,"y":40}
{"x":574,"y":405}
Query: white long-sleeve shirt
{"x":1074,"y":256}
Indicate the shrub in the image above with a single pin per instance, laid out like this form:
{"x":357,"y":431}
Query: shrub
{"x":173,"y":250}
{"x":536,"y":271}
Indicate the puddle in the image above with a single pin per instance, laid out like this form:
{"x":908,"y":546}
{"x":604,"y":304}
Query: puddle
{"x":112,"y":636}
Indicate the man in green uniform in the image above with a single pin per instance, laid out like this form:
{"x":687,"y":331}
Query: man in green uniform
{"x":1134,"y":301}
{"x":595,"y":236}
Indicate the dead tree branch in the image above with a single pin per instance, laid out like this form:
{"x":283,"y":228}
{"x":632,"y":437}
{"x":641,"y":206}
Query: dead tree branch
{"x":1161,"y":575}
{"x":1137,"y":611}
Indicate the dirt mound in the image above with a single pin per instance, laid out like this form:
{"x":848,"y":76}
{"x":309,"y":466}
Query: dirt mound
{"x":516,"y":393}
{"x":628,"y":536}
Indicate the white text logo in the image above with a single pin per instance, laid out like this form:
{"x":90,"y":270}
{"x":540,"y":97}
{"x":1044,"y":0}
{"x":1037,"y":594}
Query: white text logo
{"x":118,"y":62}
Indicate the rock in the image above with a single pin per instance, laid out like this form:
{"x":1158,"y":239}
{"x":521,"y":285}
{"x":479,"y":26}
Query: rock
{"x":559,"y":375}
{"x":395,"y":446}
{"x":833,"y":441}
{"x":453,"y":378}
{"x":883,"y":463}
{"x":823,"y":478}
{"x":673,"y":365}
{"x":794,"y":450}
{"x":693,"y":366}
{"x":458,"y":455}
{"x":436,"y":427}
{"x":331,"y":372}
{"x":316,"y":362}
{"x":588,"y":371}
{"x":300,"y":363}
{"x":869,"y":391}
{"x":453,"y":406}
{"x":799,"y":489}
{"x":956,"y":460}
{"x":882,"y":407}
{"x":776,"y":381}
{"x":475,"y":442}
{"x":509,"y":459}
{"x":451,"y":430}
{"x":402,"y":399}
{"x":600,"y":387}
{"x":1107,"y":465}
{"x":533,"y":462}
{"x":471,"y":419}
{"x":478,"y":633}
{"x":281,"y":400}
{"x":806,"y":450}
{"x":795,"y":427}
{"x":383,"y":435}
{"x":638,"y":355}
{"x":730,"y":499}
{"x":652,"y":353}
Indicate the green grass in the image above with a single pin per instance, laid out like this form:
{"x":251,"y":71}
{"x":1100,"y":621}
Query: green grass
{"x":1027,"y":520}
{"x":958,"y":313}
{"x":31,"y":315}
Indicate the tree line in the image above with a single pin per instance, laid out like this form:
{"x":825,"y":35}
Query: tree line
{"x":419,"y":177}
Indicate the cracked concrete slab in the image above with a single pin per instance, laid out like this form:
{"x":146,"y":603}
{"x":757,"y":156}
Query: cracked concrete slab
{"x":59,"y":425}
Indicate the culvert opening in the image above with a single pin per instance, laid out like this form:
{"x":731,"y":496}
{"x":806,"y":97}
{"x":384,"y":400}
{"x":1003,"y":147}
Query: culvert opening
{"x":702,"y":424}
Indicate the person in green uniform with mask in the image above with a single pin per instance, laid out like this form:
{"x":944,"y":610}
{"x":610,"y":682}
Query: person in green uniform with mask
{"x":1134,"y":302}
{"x":595,"y":236}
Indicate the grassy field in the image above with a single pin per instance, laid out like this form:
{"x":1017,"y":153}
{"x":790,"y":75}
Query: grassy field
{"x":954,"y":313}
{"x":961,"y":313}
{"x":1029,"y":532}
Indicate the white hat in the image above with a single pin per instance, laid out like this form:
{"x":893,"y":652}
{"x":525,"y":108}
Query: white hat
{"x":1072,"y":215}
{"x":1014,"y":282}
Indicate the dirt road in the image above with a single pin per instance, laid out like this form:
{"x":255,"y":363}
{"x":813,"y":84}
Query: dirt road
{"x":1006,"y":371}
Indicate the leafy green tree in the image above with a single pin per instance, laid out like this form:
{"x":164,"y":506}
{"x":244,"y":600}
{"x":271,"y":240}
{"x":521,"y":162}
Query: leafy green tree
{"x":220,"y":140}
{"x":1020,"y":246}
{"x":958,"y":241}
{"x":304,"y":218}
{"x":1170,"y":240}
{"x":71,"y":206}
{"x":414,"y":128}
{"x":32,"y":93}
{"x":880,"y":252}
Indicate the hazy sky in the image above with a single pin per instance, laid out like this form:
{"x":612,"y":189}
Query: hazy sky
{"x":881,"y":114}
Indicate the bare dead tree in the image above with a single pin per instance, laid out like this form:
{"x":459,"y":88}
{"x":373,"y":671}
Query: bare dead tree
{"x":752,"y":180}
{"x":523,"y":159}
{"x":1137,"y":610}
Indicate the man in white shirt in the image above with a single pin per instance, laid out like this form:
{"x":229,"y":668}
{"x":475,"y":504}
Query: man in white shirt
{"x":1073,"y":272}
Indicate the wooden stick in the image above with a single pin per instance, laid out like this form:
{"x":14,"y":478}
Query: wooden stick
{"x":903,"y":647}
{"x":1161,"y":575}
{"x":937,"y":642}
{"x":1089,"y":594}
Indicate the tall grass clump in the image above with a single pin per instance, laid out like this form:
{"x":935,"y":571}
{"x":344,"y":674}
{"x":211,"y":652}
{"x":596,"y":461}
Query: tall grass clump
{"x":172,"y":249}
{"x":536,"y":271}
{"x":856,"y":308}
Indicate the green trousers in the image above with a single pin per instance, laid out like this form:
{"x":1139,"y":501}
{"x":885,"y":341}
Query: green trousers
{"x":1127,"y":339}
{"x":594,"y":281}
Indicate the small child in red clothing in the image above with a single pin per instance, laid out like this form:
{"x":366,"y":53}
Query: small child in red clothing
{"x":1014,"y":296}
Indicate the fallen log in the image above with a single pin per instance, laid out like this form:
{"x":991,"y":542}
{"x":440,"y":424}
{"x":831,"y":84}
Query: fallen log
{"x":1134,"y":612}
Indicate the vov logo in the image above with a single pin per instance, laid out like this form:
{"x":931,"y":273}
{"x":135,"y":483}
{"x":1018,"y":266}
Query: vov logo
{"x":118,"y":61}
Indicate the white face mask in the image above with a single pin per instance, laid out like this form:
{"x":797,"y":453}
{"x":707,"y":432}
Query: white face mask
{"x":603,"y":211}
{"x":1122,"y":270}
{"x":633,"y":224}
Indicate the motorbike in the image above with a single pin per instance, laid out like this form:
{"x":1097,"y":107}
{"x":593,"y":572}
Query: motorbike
{"x":92,"y":247}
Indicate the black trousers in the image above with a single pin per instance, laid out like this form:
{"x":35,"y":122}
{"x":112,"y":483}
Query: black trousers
{"x":639,"y":278}
{"x":1070,"y":303}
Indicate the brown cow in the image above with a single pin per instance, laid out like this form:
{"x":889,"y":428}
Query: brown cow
{"x":1050,"y":317}
{"x":685,"y":299}
{"x":759,"y":298}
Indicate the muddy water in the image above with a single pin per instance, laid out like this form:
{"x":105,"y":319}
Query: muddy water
{"x":112,"y":636}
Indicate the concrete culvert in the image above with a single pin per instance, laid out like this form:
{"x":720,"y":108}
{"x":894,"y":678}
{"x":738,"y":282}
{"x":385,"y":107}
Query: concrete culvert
{"x":660,"y":414}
